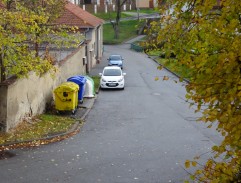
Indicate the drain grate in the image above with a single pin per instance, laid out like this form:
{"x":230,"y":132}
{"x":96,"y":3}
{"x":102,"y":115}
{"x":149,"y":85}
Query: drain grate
{"x":6,"y":155}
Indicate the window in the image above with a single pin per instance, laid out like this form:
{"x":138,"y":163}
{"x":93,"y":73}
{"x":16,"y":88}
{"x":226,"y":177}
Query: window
{"x":112,"y":72}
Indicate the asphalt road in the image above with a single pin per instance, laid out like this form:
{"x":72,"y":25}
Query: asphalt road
{"x":142,"y":134}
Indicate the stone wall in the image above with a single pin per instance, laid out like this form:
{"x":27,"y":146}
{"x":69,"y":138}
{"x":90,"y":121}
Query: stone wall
{"x":3,"y":105}
{"x":20,"y":98}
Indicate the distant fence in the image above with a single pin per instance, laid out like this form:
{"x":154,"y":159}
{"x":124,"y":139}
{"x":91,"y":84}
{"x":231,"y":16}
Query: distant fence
{"x":104,"y":8}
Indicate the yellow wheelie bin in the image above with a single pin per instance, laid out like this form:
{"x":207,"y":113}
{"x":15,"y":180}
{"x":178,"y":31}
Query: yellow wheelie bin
{"x":66,"y":97}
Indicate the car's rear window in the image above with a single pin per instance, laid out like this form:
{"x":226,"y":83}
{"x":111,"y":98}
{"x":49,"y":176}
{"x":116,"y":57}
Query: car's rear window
{"x":112,"y":72}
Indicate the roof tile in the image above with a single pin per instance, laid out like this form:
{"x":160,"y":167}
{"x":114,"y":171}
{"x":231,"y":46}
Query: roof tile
{"x":75,"y":16}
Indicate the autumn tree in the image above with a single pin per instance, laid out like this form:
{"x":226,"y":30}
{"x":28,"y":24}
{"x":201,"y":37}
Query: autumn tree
{"x":205,"y":37}
{"x":25,"y":26}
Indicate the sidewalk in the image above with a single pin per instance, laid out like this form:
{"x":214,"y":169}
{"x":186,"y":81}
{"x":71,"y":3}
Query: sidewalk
{"x":135,"y":39}
{"x":84,"y":108}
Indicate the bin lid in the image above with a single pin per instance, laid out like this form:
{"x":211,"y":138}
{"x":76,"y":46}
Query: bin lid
{"x":80,"y":80}
{"x":67,"y":87}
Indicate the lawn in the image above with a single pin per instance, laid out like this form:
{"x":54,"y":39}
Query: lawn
{"x":128,"y":29}
{"x":110,"y":15}
{"x":124,"y":14}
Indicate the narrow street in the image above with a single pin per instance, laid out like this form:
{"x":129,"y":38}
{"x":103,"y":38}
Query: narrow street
{"x":142,"y":134}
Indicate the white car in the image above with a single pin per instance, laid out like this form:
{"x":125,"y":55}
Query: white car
{"x":112,"y":77}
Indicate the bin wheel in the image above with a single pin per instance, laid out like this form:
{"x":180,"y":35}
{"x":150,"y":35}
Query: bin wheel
{"x":73,"y":111}
{"x":59,"y":112}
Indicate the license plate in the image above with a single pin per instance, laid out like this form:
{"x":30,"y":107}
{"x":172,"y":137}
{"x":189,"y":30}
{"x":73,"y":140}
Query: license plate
{"x":112,"y":84}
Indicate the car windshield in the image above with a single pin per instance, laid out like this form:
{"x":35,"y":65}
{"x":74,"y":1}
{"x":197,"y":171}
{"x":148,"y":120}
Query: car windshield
{"x":112,"y":72}
{"x":115,"y":57}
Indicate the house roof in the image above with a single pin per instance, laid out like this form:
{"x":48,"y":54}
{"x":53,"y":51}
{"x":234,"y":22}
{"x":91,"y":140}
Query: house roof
{"x":75,"y":16}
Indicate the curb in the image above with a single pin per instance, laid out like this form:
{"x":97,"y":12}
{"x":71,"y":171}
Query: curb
{"x":42,"y":141}
{"x":88,"y":109}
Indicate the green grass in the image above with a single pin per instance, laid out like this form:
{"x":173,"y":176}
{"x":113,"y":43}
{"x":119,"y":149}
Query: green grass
{"x":96,"y":81}
{"x":38,"y":127}
{"x":124,"y":14}
{"x":154,"y":53}
{"x":172,"y":65}
{"x":110,"y":15}
{"x":143,"y":10}
{"x":127,"y":31}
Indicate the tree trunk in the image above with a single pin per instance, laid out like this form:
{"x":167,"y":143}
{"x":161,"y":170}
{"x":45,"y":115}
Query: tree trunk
{"x":117,"y":20}
{"x":36,"y":49}
{"x":119,"y":5}
{"x":116,"y":30}
{"x":3,"y":75}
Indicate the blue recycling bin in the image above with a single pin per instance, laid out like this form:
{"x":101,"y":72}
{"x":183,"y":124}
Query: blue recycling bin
{"x":79,"y":80}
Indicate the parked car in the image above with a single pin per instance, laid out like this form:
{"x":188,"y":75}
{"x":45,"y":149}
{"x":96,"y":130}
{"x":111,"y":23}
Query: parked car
{"x":112,"y":77}
{"x":115,"y":60}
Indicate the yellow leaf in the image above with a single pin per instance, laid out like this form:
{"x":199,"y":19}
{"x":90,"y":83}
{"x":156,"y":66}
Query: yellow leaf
{"x":194,"y":163}
{"x":156,"y":78}
{"x":209,"y":126}
{"x":160,"y":67}
{"x":187,"y":164}
{"x":198,"y":172}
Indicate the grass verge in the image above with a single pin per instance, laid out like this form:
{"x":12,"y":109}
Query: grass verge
{"x":38,"y":127}
{"x":173,"y":66}
{"x":97,"y":82}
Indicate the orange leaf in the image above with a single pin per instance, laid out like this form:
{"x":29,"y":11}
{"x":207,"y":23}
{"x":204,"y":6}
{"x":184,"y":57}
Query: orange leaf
{"x":165,"y":78}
